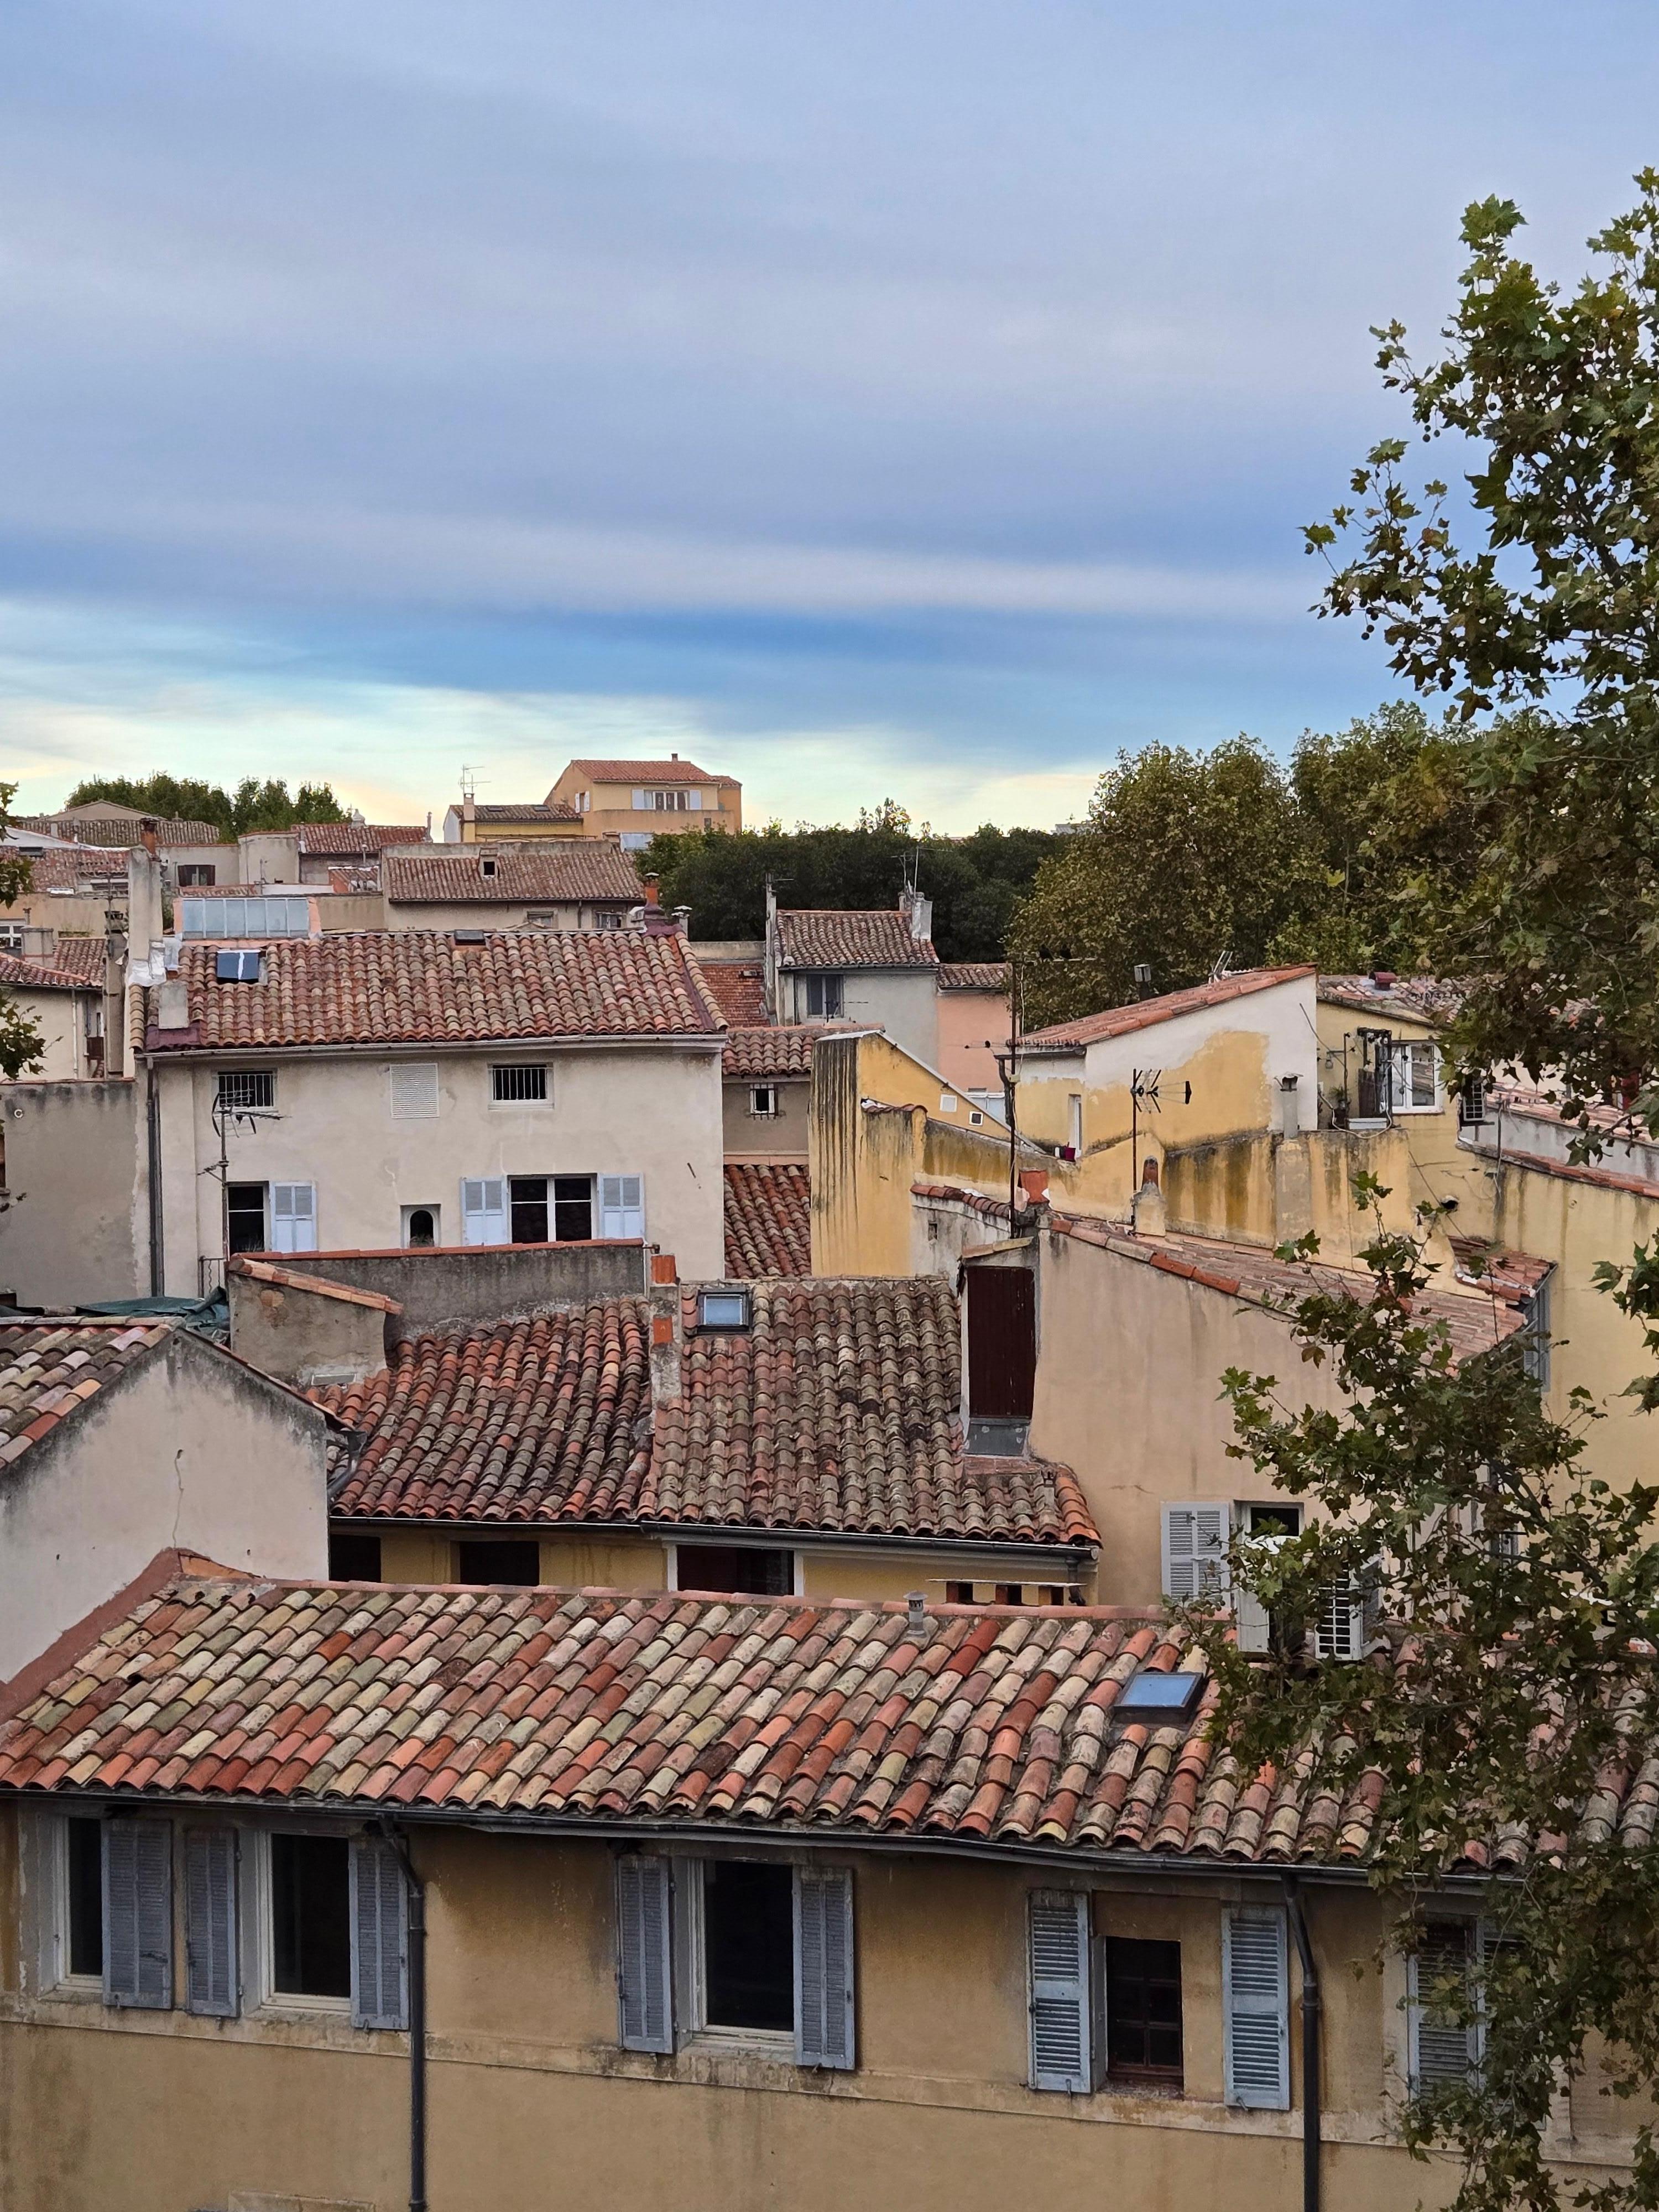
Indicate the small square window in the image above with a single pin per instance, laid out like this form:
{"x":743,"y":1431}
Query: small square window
{"x":420,"y":1227}
{"x":958,"y":1593}
{"x":763,"y":1101}
{"x":237,"y":966}
{"x":723,"y":1310}
{"x":487,"y":869}
{"x":1010,"y":1594}
{"x":354,"y":1556}
{"x":516,"y":1563}
{"x":192,"y":874}
{"x":1153,"y":1694}
{"x":245,"y":1089}
{"x":520,"y":1083}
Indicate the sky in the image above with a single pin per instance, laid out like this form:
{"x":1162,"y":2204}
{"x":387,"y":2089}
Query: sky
{"x":887,"y":397}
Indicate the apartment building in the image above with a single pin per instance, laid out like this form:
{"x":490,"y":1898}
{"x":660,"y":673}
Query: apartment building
{"x":875,"y":968}
{"x":635,"y":800}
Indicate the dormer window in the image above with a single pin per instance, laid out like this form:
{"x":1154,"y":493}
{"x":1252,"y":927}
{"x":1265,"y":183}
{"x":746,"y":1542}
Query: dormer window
{"x":728,"y":1309}
{"x":237,"y":966}
{"x":487,"y":869}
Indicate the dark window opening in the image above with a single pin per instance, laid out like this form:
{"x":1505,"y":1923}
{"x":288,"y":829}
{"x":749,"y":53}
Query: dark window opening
{"x":572,"y":1209}
{"x":1001,"y":1342}
{"x":746,"y":1569}
{"x":958,"y":1593}
{"x":422,"y":1227}
{"x":245,"y":1216}
{"x":518,"y":1562}
{"x":1010,"y":1594}
{"x":529,"y":1197}
{"x":311,"y":1916}
{"x":353,"y":1556}
{"x":520,"y":1080}
{"x":194,"y":873}
{"x":1142,"y":2008}
{"x":823,"y":997}
{"x":86,"y":1897}
{"x":1273,"y":1520}
{"x":749,"y":1945}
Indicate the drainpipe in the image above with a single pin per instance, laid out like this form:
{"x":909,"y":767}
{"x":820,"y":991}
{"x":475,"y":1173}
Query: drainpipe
{"x":1311,"y":2012}
{"x":416,"y":2018}
{"x":153,"y":1166}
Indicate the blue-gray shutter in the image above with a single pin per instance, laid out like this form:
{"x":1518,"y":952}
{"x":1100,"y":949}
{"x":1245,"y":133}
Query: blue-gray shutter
{"x":380,"y":1936}
{"x":1444,"y":2048}
{"x":644,"y":1978}
{"x":1062,"y":2004}
{"x":211,"y":1981}
{"x":1256,"y":2009}
{"x":824,"y":2029}
{"x":138,"y":1914}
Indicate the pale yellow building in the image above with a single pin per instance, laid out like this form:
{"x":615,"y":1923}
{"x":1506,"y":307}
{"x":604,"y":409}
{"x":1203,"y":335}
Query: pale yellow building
{"x":635,"y":800}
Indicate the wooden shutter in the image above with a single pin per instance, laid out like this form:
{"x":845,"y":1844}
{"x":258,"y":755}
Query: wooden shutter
{"x":380,"y":1936}
{"x":292,"y":1216}
{"x":645,"y":1983}
{"x":1062,"y":2008}
{"x":1001,"y":1343}
{"x":824,"y":2031}
{"x":1195,"y":1539}
{"x":138,"y":1914}
{"x":211,"y":1983}
{"x":622,"y":1206}
{"x":1256,"y":2010}
{"x":483,"y":1210}
{"x":1442,"y":2047}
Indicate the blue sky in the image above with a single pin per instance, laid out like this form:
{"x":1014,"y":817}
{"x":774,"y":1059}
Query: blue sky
{"x":918,"y":399}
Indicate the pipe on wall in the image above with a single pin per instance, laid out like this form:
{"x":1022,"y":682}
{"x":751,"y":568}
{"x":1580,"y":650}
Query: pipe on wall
{"x":417,"y":1895}
{"x":1310,"y":2040}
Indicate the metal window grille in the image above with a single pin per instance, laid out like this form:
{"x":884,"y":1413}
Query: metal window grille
{"x":517,"y":1083}
{"x":247,"y":1089}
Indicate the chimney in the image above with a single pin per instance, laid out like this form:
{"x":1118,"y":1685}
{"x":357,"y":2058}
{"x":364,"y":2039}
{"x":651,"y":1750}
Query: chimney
{"x":144,"y":924}
{"x":1146,"y":1214}
{"x":1384,"y":978}
{"x":919,"y":909}
{"x":469,"y":808}
{"x":652,"y":896}
{"x":666,"y":1329}
{"x":915,"y":1612}
{"x":1034,"y":1182}
{"x":173,"y":1005}
{"x":148,"y":835}
{"x":1289,"y":1106}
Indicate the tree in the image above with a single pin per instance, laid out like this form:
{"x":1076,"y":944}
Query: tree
{"x":20,"y":1037}
{"x":255,"y":806}
{"x":1536,"y":596}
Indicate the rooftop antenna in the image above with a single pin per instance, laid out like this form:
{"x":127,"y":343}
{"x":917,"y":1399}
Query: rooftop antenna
{"x":470,"y":780}
{"x":1223,"y":966}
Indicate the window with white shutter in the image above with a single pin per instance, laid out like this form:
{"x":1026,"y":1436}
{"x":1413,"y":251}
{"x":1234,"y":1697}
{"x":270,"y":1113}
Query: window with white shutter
{"x":622,"y":1206}
{"x":1067,"y":2032}
{"x":483,"y":1210}
{"x":1339,"y":1628}
{"x":1195,"y":1538}
{"x":1444,"y":2047}
{"x":211,"y":1981}
{"x":1256,"y":2009}
{"x":824,"y":2031}
{"x":294,"y":1217}
{"x":645,"y":2002}
{"x":415,"y":1092}
{"x":138,"y":1914}
{"x":380,"y":1936}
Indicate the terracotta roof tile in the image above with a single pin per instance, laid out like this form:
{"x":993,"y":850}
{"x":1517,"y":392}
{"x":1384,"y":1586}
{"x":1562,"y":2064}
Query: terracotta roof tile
{"x":1511,"y":1276}
{"x":781,"y":1051}
{"x":355,"y":838}
{"x":650,"y":771}
{"x":86,"y":958}
{"x":73,"y":868}
{"x":389,"y":987}
{"x":769,"y":1219}
{"x":737,"y":988}
{"x":553,"y":868}
{"x":1146,"y":1013}
{"x":972,"y":975}
{"x":27,"y":973}
{"x":828,"y":938}
{"x":50,"y":1367}
{"x":116,"y":829}
{"x":530,"y":810}
{"x":1411,"y":998}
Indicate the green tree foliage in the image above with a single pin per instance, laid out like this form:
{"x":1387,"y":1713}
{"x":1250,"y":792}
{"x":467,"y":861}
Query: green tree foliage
{"x":253,"y":805}
{"x":20,"y":1038}
{"x":1536,"y":593}
{"x":975,"y":882}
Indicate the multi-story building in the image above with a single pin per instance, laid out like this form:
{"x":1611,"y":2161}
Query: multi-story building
{"x":635,"y":800}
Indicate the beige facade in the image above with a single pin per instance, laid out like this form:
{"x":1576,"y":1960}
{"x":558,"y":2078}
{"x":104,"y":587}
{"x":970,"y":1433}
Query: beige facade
{"x":71,"y":1027}
{"x":74,"y":1201}
{"x":767,"y":1117}
{"x":651,"y":798}
{"x":973,"y":1025}
{"x":902,"y":1001}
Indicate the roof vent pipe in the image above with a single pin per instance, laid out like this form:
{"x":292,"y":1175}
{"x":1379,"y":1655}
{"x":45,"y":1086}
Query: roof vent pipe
{"x":916,"y":1619}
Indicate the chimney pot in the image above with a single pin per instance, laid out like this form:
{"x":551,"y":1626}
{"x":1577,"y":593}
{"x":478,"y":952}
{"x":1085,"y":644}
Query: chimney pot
{"x":651,"y":895}
{"x":1034,"y":1182}
{"x":1149,"y":1175}
{"x":662,"y":1330}
{"x":916,"y":1614}
{"x":1384,"y":978}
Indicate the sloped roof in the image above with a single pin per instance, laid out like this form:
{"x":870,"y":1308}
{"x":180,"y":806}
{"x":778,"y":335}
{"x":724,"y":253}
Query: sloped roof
{"x":1512,"y":1276}
{"x":828,"y":937}
{"x":20,"y":973}
{"x":1146,"y":1013}
{"x":769,"y":1219}
{"x":972,"y":975}
{"x":572,"y":868}
{"x":786,"y":1050}
{"x":86,"y":958}
{"x":120,"y":829}
{"x":69,"y":867}
{"x":737,"y":987}
{"x":317,"y":838}
{"x":833,"y":1721}
{"x":421,"y":986}
{"x":531,"y":810}
{"x":1426,"y":999}
{"x":49,"y":1369}
{"x":649,"y":771}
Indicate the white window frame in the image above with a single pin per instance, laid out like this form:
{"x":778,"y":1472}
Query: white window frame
{"x":613,"y":1222}
{"x":421,"y":1205}
{"x":503,"y":1214}
{"x":690,"y":1974}
{"x":832,"y":982}
{"x":1250,"y":1617}
{"x":769,"y":1110}
{"x":294,"y":1219}
{"x":257,"y":1935}
{"x":45,"y":1848}
{"x":1400,"y":1084}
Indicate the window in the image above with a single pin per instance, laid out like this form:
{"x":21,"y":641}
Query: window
{"x":192,"y":873}
{"x":958,"y":1593}
{"x":1535,"y":1345}
{"x":824,"y":997}
{"x":723,"y":1310}
{"x":84,"y":1899}
{"x":420,"y":1227}
{"x":1444,"y":1976}
{"x":1340,"y":1630}
{"x":763,"y":1101}
{"x":622,"y":1206}
{"x":541,"y":917}
{"x":572,"y":1209}
{"x":247,"y":1089}
{"x":679,"y":800}
{"x":353,"y":1556}
{"x":1414,"y":1077}
{"x":1143,"y":2009}
{"x":748,"y":1944}
{"x":237,"y":967}
{"x":1009,"y":1593}
{"x":310,"y":1915}
{"x":414,"y":1091}
{"x":1159,"y":1694}
{"x":1255,"y":2011}
{"x":514,"y":1562}
{"x":747,"y":1570}
{"x":1075,"y":1122}
{"x":519,"y":1084}
{"x":608,"y":917}
{"x":1195,"y":1538}
{"x":487,"y":869}
{"x":246,"y":917}
{"x":1064,"y":2003}
{"x":483,"y":1210}
{"x":292,"y":1216}
{"x":1258,"y":1631}
{"x":11,"y":936}
{"x":529,"y":1198}
{"x":583,"y":801}
{"x":245,"y":1217}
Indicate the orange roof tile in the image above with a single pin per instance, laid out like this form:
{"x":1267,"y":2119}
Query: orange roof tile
{"x":552,"y":868}
{"x":784,"y":1050}
{"x":737,"y":988}
{"x":353,"y":838}
{"x":769,"y":1219}
{"x":50,"y":1367}
{"x":650,"y":771}
{"x":1146,"y":1013}
{"x":823,"y":936}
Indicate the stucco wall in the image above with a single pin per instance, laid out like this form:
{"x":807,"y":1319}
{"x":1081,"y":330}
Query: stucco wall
{"x":186,"y":1450}
{"x":60,"y":1019}
{"x":73,"y":1227}
{"x":904,"y":1001}
{"x":505,"y":913}
{"x":483,"y":1282}
{"x":966,"y":1019}
{"x":757,"y":1137}
{"x":650,"y":1112}
{"x":305,"y":1336}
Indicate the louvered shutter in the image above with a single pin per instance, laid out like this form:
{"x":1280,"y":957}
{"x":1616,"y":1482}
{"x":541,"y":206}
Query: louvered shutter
{"x":622,"y":1206}
{"x":138,"y":1914}
{"x":292,"y":1216}
{"x":823,"y":1966}
{"x":1443,"y":2048}
{"x":1062,"y":2012}
{"x":645,"y":2001}
{"x":483,"y":1210}
{"x":1195,"y":1550}
{"x":380,"y":1936}
{"x":211,"y":1976}
{"x":1340,"y":1629}
{"x":1256,"y":2010}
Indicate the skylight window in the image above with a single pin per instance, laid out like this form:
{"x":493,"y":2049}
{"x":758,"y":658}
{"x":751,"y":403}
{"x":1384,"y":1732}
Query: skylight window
{"x":237,"y":966}
{"x":723,"y":1310}
{"x":1157,"y":1695}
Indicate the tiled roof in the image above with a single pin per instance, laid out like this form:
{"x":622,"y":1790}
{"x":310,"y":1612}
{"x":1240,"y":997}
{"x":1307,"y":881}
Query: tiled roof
{"x":782,"y":1051}
{"x":529,"y":811}
{"x":528,"y":1420}
{"x":263,"y":1271}
{"x":1146,"y":1013}
{"x":828,"y":938}
{"x":38,"y":974}
{"x":650,"y":771}
{"x":70,"y":867}
{"x":117,"y":829}
{"x":1511,"y":1276}
{"x":972,"y":975}
{"x":769,"y":1219}
{"x":1251,"y":1272}
{"x":556,"y":868}
{"x":418,"y":986}
{"x":1409,"y":998}
{"x":737,"y":988}
{"x":49,"y":1369}
{"x":987,"y":1725}
{"x":317,"y":838}
{"x":86,"y":958}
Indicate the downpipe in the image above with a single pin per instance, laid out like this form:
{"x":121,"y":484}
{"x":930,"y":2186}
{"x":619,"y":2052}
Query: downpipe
{"x":1310,"y":2038}
{"x":416,"y":1925}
